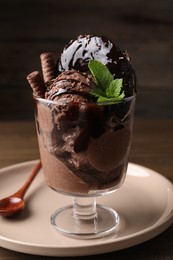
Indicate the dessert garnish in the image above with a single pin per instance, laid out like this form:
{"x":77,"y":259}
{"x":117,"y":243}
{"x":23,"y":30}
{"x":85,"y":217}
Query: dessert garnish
{"x":37,"y":84}
{"x":48,"y":66}
{"x":108,"y":88}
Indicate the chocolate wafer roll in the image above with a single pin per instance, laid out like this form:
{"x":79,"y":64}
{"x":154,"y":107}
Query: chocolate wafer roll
{"x":48,"y":66}
{"x":37,"y":84}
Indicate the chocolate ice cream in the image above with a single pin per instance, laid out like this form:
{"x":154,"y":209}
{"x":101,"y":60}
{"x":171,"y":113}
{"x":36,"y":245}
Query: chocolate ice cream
{"x":78,"y":52}
{"x":84,"y":145}
{"x":71,"y":83}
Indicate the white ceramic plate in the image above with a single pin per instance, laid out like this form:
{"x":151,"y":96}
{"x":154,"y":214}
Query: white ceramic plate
{"x":144,"y":202}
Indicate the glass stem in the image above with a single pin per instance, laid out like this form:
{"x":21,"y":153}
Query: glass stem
{"x":84,"y":208}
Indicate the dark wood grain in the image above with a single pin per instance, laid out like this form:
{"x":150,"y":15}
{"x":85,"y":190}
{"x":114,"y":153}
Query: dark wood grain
{"x":28,"y":28}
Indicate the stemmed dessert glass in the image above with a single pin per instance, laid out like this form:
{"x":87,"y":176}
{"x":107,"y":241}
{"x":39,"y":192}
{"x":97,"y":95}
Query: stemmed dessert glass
{"x":84,"y":152}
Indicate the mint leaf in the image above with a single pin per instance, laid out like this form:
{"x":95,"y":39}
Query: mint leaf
{"x":101,"y":74}
{"x":114,"y":89}
{"x":106,"y":99}
{"x":108,"y":89}
{"x":97,"y":92}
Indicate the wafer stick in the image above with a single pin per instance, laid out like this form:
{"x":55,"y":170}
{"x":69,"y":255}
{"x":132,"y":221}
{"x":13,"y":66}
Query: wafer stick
{"x":48,"y":66}
{"x":37,"y":84}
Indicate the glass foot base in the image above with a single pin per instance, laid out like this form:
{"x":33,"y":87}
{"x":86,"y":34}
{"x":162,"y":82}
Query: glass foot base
{"x":105,"y":221}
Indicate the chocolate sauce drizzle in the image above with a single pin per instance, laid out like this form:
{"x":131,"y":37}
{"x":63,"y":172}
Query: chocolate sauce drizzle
{"x":77,"y":54}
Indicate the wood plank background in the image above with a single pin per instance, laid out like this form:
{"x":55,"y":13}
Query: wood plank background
{"x":30,"y":27}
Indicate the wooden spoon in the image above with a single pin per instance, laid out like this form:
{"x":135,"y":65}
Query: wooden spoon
{"x":14,"y":203}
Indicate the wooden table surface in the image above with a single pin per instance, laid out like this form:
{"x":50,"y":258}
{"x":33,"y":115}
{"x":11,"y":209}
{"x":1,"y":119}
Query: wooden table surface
{"x":151,"y":147}
{"x":28,"y":28}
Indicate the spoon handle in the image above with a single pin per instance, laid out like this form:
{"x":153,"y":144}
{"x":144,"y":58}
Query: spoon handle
{"x":21,"y":192}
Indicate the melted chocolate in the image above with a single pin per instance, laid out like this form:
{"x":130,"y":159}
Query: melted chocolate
{"x":77,"y":54}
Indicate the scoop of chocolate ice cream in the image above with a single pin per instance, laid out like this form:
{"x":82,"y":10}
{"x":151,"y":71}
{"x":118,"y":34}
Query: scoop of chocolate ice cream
{"x":71,"y":83}
{"x":77,"y":54}
{"x":71,"y":91}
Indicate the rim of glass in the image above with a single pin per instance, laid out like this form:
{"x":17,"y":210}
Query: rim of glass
{"x":48,"y":101}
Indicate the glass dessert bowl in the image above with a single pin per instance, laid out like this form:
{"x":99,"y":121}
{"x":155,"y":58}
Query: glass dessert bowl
{"x":84,"y":148}
{"x":84,"y":106}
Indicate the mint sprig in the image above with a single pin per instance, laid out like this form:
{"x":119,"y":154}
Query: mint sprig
{"x":108,"y":88}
